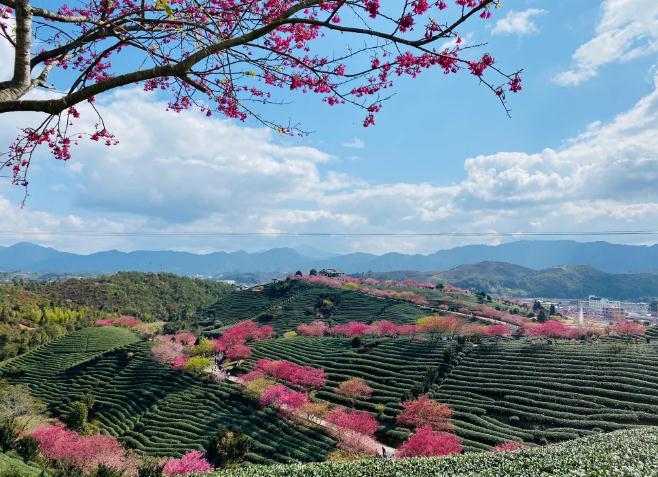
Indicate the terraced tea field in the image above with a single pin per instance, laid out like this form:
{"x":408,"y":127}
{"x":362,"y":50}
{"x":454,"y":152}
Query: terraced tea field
{"x":285,"y":311}
{"x":547,"y":393}
{"x":393,"y":367}
{"x":501,"y":390}
{"x":154,"y":410}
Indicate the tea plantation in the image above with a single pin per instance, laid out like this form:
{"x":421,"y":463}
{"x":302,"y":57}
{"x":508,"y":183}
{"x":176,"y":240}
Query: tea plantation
{"x":395,"y":368}
{"x":154,"y":410}
{"x":517,"y":390}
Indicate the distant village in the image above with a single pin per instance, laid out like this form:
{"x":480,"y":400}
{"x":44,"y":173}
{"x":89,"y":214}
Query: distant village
{"x":596,"y":308}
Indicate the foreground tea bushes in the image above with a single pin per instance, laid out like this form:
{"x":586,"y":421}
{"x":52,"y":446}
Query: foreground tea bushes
{"x":629,"y":453}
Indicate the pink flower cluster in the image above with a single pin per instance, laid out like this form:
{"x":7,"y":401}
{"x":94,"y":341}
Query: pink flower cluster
{"x":173,"y":349}
{"x":291,"y":373}
{"x":85,"y":453}
{"x":191,"y":462}
{"x":628,"y":328}
{"x":427,"y":443}
{"x":370,"y":286}
{"x":378,"y":328}
{"x":124,"y":321}
{"x":498,"y":330}
{"x":283,"y":398}
{"x":316,"y":328}
{"x":355,"y":421}
{"x":234,"y":340}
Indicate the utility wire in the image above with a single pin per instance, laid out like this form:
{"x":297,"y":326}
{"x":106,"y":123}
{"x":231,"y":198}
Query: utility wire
{"x":92,"y":233}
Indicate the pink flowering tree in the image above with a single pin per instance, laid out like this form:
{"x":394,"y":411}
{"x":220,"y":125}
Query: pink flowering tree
{"x":425,"y":411}
{"x":427,"y":443}
{"x":224,"y":57}
{"x":628,"y":328}
{"x":498,"y":330}
{"x":286,"y":400}
{"x":316,"y":328}
{"x":191,"y":463}
{"x":124,"y":321}
{"x":550,"y":329}
{"x":86,"y":453}
{"x":167,"y":350}
{"x":354,"y":430}
{"x":234,"y":339}
{"x":291,"y":373}
{"x":384,"y":328}
{"x":354,"y":389}
{"x":351,"y":329}
{"x":239,"y":351}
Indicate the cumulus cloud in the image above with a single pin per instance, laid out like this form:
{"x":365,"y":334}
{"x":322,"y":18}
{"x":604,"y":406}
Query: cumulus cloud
{"x":628,"y":29}
{"x":184,"y":167}
{"x":518,"y":23}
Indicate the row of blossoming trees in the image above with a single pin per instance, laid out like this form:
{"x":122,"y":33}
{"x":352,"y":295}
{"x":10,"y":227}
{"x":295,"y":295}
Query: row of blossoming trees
{"x":438,"y":326}
{"x":184,"y":351}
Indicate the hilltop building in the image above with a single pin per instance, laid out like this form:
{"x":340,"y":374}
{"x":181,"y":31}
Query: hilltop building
{"x":331,"y":273}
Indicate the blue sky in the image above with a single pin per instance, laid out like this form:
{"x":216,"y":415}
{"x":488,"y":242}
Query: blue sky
{"x":580,"y":152}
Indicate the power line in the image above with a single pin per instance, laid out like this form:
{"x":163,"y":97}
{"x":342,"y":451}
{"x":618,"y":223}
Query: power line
{"x":92,"y":233}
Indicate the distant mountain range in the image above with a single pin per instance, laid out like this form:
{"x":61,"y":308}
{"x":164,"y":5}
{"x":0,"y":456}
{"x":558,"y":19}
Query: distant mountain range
{"x":538,"y":255}
{"x":568,"y":281}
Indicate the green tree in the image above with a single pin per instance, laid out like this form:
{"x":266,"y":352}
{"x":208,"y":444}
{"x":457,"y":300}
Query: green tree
{"x":228,"y":447}
{"x":27,"y":447}
{"x":78,"y":417}
{"x":313,"y":272}
{"x":541,"y":316}
{"x":552,"y":311}
{"x":197,"y":364}
{"x":151,"y":467}
{"x":8,"y":435}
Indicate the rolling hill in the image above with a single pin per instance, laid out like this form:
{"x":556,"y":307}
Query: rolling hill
{"x":501,"y":390}
{"x":570,"y":281}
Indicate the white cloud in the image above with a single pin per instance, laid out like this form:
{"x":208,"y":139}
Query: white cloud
{"x":355,"y":143}
{"x":183,"y":167}
{"x":628,"y":29}
{"x":518,"y":23}
{"x":183,"y":173}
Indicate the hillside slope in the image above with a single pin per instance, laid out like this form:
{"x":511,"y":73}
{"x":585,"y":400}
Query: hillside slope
{"x":154,"y":410}
{"x":569,"y":281}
